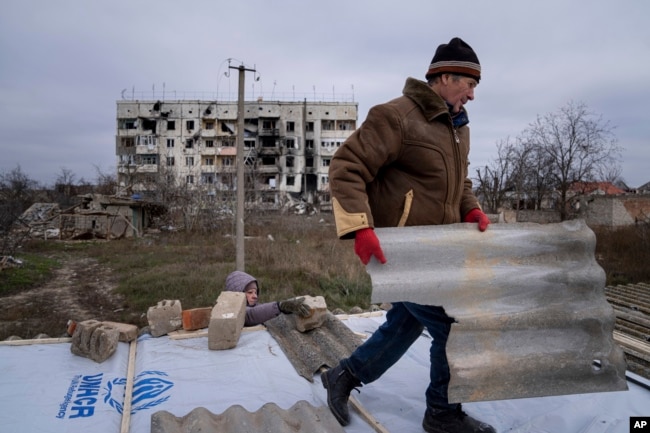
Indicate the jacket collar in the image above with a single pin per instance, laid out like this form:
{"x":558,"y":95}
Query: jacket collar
{"x":431,"y":104}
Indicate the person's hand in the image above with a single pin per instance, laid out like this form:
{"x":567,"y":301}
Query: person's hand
{"x":367,"y":245}
{"x":476,"y":215}
{"x":295,"y":305}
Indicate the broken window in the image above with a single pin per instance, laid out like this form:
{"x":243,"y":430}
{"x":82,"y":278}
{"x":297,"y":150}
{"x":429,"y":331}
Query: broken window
{"x":189,"y":161}
{"x":228,"y":161}
{"x":291,"y":126}
{"x":209,"y":124}
{"x":127,"y":159}
{"x":309,"y":162}
{"x":227,"y":127}
{"x":189,"y":144}
{"x":249,"y":143}
{"x":291,"y":143}
{"x":189,"y":178}
{"x":171,"y":125}
{"x":209,"y":143}
{"x":170,"y":142}
{"x":270,"y":180}
{"x":324,"y":180}
{"x":208,"y":160}
{"x":268,"y":160}
{"x":325,"y":162}
{"x":345,"y":125}
{"x":291,"y":180}
{"x":170,"y":161}
{"x":289,"y":161}
{"x":327,"y":125}
{"x":128,"y":141}
{"x":207,"y":178}
{"x":127,"y":123}
{"x":189,"y":125}
{"x":149,"y":125}
{"x":309,"y":144}
{"x":309,"y":127}
{"x":228,"y":142}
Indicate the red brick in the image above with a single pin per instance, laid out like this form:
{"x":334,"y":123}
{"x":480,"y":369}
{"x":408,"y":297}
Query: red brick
{"x":196,"y":318}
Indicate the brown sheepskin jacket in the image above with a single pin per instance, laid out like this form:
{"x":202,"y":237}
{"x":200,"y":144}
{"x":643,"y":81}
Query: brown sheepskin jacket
{"x":405,"y":165}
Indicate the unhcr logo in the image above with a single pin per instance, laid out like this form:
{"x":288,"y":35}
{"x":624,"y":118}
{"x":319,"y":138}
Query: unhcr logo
{"x":80,"y":401}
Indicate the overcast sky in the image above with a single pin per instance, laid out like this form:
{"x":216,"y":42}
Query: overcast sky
{"x":65,"y":63}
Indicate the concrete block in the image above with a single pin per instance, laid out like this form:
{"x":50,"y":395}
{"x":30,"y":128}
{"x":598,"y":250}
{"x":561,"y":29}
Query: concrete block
{"x":227,"y":321}
{"x":165,"y":317}
{"x":127,"y":331}
{"x":196,"y":318}
{"x":318,"y":314}
{"x":95,"y":340}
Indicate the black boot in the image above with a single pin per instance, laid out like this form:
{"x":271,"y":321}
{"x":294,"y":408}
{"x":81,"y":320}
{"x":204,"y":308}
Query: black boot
{"x":339,"y":383}
{"x":453,"y":421}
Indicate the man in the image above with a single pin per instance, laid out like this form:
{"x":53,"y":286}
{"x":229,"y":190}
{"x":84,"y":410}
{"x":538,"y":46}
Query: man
{"x":256,"y":314}
{"x":407,"y":165}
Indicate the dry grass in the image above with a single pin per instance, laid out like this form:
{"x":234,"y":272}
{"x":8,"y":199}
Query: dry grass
{"x":290,"y":255}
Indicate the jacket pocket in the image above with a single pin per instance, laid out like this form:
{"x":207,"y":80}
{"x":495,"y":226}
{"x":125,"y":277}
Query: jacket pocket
{"x":408,"y":200}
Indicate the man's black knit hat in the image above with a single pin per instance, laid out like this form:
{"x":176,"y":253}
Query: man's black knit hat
{"x":456,"y":57}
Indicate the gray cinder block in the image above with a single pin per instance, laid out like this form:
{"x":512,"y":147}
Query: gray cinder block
{"x":165,"y":317}
{"x":227,"y":321}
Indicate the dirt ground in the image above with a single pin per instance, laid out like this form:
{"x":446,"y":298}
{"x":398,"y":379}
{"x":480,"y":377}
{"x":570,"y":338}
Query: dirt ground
{"x":80,"y":290}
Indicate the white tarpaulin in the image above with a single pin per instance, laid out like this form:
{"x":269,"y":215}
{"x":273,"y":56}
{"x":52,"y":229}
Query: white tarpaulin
{"x":43,"y":387}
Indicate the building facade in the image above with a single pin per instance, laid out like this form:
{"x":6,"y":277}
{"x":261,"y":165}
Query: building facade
{"x":288,"y":147}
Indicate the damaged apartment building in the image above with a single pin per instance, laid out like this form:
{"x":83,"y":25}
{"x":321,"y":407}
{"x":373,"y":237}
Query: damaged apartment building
{"x":288,"y":147}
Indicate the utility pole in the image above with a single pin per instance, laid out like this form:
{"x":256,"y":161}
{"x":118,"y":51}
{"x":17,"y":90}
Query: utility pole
{"x":241,"y":187}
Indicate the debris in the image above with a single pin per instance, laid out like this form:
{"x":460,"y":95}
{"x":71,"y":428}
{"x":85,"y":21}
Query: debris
{"x":95,"y":340}
{"x":318,"y":314}
{"x":165,"y":317}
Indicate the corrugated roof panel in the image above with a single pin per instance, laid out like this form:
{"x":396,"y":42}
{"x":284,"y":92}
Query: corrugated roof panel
{"x":309,"y":351}
{"x":302,"y":417}
{"x":529,"y":300}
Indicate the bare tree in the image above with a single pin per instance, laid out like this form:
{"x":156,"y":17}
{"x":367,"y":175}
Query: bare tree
{"x":494,"y":178}
{"x":17,"y":193}
{"x":573,"y":145}
{"x":65,"y":187}
{"x":105,"y":183}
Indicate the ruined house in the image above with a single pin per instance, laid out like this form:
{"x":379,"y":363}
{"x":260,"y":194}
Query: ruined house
{"x":96,"y":216}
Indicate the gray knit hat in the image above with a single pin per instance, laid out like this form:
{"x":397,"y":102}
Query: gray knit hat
{"x":237,"y":281}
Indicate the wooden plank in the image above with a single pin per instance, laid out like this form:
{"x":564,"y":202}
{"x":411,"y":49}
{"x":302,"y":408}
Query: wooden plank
{"x":128,"y":391}
{"x":632,"y":343}
{"x":35,"y":341}
{"x":182,"y":335}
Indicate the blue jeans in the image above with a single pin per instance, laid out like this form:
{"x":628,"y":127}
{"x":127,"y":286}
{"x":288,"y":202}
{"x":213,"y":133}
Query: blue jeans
{"x":405,"y":322}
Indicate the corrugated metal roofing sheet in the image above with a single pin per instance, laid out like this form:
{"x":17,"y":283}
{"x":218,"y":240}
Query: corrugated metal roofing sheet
{"x":302,"y":417}
{"x":309,"y":351}
{"x":529,"y":300}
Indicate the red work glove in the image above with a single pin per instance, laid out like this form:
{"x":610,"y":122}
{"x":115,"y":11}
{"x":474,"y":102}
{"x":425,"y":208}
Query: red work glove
{"x":476,"y":215}
{"x":367,"y":245}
